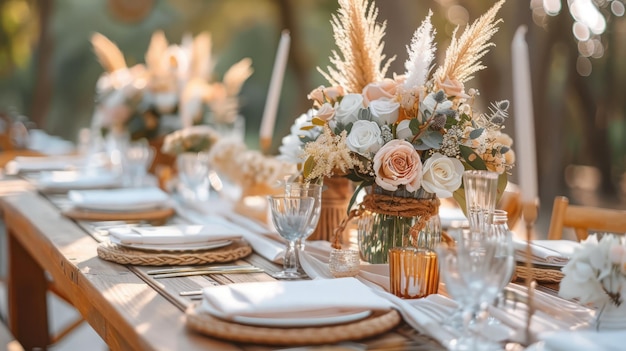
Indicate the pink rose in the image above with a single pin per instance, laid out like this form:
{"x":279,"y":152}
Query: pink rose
{"x":452,"y":87}
{"x":384,"y":89}
{"x":326,"y":112}
{"x":322,"y":94}
{"x":397,"y":163}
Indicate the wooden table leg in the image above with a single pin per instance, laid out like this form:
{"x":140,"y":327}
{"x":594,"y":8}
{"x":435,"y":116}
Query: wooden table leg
{"x":27,"y":286}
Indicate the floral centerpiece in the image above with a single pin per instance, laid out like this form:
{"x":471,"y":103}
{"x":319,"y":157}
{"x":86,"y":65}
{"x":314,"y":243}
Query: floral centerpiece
{"x":174,"y":89}
{"x":596,"y":275}
{"x":406,"y":139}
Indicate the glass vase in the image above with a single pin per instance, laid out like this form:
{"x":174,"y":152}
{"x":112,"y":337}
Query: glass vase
{"x":379,"y":232}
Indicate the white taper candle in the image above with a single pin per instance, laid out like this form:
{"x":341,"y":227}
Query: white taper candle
{"x":524,"y":120}
{"x":273,"y":93}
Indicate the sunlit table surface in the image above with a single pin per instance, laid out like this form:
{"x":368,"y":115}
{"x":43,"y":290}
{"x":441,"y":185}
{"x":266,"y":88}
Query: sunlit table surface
{"x":127,"y":307}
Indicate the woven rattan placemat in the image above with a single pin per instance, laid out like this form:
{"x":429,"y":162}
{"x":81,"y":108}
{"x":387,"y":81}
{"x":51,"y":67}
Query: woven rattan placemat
{"x":154,"y":215}
{"x":377,"y":323}
{"x":123,"y":255}
{"x":539,"y":274}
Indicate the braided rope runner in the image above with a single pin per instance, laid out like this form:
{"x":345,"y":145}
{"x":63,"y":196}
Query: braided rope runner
{"x":123,"y":255}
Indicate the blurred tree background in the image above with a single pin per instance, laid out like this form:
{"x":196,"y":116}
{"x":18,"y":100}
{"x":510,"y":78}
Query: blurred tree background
{"x":578,"y":61}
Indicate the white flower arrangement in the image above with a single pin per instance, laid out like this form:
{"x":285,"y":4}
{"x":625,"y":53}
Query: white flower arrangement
{"x":417,"y":130}
{"x":245,"y":167}
{"x":175,"y":80}
{"x":596,"y":273}
{"x":193,"y":139}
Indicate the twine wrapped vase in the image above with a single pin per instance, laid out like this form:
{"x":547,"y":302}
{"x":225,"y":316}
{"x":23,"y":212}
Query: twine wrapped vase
{"x":394,"y":219}
{"x":335,"y":200}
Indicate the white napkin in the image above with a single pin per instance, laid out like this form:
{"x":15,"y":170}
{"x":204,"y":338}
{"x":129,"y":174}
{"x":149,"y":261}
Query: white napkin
{"x":75,"y":180}
{"x":553,"y":252}
{"x":173,"y":234}
{"x":125,"y":199}
{"x":584,"y":340}
{"x":44,"y":163}
{"x":264,"y":299}
{"x":263,"y":245}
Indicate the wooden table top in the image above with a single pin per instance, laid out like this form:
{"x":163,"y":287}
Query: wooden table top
{"x":125,"y":306}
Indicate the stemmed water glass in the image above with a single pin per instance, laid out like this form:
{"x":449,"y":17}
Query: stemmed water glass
{"x":473,"y":271}
{"x":291,"y":216}
{"x":193,"y":172}
{"x":311,"y":190}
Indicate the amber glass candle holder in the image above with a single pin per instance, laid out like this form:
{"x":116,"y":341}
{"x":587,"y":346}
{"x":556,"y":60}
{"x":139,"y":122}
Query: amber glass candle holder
{"x":413,"y":272}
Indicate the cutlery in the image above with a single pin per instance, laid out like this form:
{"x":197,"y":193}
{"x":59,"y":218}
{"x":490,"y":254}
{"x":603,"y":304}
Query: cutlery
{"x":190,"y":293}
{"x":199,"y":268}
{"x":203,"y":272}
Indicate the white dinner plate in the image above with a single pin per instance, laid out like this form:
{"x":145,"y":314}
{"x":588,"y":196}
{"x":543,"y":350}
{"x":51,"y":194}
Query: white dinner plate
{"x":120,"y":200}
{"x":209,"y":245}
{"x":333,"y":319}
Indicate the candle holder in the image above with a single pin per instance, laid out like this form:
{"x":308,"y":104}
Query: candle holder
{"x":529,"y":213}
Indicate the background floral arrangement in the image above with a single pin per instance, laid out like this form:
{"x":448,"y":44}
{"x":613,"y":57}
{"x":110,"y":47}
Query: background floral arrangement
{"x":596,"y":273}
{"x":248,"y":168}
{"x":176,"y":79}
{"x":193,"y":139}
{"x":414,"y":131}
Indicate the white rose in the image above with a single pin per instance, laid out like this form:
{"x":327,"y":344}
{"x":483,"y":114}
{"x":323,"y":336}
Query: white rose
{"x":580,"y":282}
{"x":385,"y":109}
{"x":347,"y":110}
{"x":291,"y":150}
{"x":365,"y":138}
{"x":442,"y":175}
{"x":403,"y":131}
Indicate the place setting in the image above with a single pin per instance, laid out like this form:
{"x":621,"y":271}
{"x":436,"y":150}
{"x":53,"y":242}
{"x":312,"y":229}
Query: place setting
{"x":176,"y":244}
{"x":124,"y":204}
{"x":303,"y":312}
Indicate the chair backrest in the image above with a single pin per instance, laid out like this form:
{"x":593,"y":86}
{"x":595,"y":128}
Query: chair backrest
{"x":584,"y":218}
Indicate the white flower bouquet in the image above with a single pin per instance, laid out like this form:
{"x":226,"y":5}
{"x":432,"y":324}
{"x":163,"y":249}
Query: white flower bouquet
{"x":596,"y":273}
{"x":415,"y":131}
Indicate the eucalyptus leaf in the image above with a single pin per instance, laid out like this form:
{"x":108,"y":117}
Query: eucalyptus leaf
{"x":432,"y":138}
{"x":472,"y":158}
{"x":476,"y":133}
{"x":414,"y":126}
{"x":308,"y":166}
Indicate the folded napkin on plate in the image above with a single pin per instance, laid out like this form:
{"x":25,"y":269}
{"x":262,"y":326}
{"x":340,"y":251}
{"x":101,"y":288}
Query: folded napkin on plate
{"x":262,"y":244}
{"x":45,"y":163}
{"x":553,"y":252}
{"x":584,"y":340}
{"x":281,"y":298}
{"x":125,"y":199}
{"x":76,"y":180}
{"x":173,"y":234}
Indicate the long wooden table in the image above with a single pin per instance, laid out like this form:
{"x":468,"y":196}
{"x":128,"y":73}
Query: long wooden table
{"x":127,"y":310}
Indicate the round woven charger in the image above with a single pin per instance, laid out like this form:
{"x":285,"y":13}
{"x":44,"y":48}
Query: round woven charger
{"x":125,"y":255}
{"x":539,"y":274}
{"x":375,"y":324}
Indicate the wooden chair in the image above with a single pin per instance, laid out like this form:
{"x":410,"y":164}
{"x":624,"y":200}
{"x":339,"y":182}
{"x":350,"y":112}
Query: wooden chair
{"x":584,"y":218}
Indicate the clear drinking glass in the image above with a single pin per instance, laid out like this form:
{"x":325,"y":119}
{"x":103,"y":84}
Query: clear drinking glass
{"x":473,"y":271}
{"x":311,"y":190}
{"x":481,"y":188}
{"x":136,"y":160}
{"x":193,"y":172}
{"x":291,"y":216}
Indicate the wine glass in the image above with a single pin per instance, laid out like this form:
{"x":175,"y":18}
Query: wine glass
{"x":291,"y":216}
{"x":473,"y":271}
{"x":311,"y":190}
{"x":193,"y":172}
